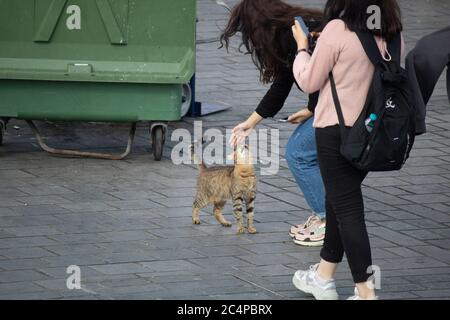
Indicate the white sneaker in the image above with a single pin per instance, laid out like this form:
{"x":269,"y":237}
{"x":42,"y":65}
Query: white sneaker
{"x":309,"y":282}
{"x":357,"y":297}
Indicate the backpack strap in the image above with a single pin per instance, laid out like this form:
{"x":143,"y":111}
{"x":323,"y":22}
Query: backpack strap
{"x":337,"y":105}
{"x":371,"y":48}
{"x":395,"y":48}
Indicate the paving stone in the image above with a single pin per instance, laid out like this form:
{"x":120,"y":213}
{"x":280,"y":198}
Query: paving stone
{"x":434,"y":252}
{"x":24,"y":287}
{"x":272,"y":270}
{"x":45,"y":190}
{"x":427,"y":213}
{"x":444,"y":244}
{"x":221,"y":262}
{"x":39,"y":210}
{"x":20,"y":276}
{"x":7,"y":212}
{"x":77,"y":259}
{"x":221,"y":251}
{"x":29,"y":252}
{"x":120,"y":268}
{"x":87,"y":206}
{"x":169,"y":254}
{"x":174,"y":265}
{"x":429,"y":198}
{"x":268,"y":259}
{"x":61,"y":272}
{"x":25,"y":242}
{"x":404,"y":252}
{"x":429,"y":234}
{"x":444,"y":293}
{"x":134,"y":204}
{"x":398,"y":296}
{"x":71,"y":249}
{"x":32,"y":231}
{"x":393,"y":236}
{"x":130,"y":257}
{"x":398,"y":225}
{"x":126,"y":235}
{"x":42,"y":200}
{"x":178,"y":232}
{"x":47,"y":295}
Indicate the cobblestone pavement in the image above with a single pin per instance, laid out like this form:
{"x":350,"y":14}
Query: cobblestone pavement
{"x":127,"y":224}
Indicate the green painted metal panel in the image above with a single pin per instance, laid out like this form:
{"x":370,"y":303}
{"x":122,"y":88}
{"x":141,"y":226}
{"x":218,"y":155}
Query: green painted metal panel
{"x":114,"y":32}
{"x":48,"y":24}
{"x":84,"y":101}
{"x":131,"y":41}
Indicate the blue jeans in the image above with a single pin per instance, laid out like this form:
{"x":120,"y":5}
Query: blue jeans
{"x":301,"y":156}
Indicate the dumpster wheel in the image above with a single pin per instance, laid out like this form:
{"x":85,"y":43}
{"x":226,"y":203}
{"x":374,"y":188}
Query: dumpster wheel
{"x":158,"y":138}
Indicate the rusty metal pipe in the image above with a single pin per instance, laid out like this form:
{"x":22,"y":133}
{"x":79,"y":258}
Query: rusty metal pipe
{"x":75,"y":153}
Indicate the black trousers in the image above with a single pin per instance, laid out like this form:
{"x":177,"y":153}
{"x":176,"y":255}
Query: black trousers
{"x":346,"y":230}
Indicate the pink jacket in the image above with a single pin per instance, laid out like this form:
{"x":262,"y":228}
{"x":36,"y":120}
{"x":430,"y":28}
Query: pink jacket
{"x":338,"y":50}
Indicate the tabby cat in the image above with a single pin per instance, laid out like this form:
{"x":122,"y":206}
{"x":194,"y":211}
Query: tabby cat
{"x":216,"y":185}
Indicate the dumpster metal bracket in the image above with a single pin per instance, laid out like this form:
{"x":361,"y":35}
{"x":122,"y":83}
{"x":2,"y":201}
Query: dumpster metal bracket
{"x":48,"y":25}
{"x":75,"y":153}
{"x":110,"y":22}
{"x":154,"y":124}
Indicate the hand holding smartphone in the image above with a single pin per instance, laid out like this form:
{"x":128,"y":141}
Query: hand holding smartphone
{"x":301,"y":34}
{"x":302,"y":25}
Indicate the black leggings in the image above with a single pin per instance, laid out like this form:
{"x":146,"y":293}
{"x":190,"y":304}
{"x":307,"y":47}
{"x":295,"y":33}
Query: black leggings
{"x":346,"y":228}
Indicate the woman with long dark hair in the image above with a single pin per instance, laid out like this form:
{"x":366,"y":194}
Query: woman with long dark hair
{"x":340,"y":51}
{"x":265,"y":27}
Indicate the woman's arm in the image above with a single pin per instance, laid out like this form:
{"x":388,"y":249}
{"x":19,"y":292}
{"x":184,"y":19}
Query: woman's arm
{"x":269,"y":106}
{"x":279,"y":91}
{"x":311,"y":73}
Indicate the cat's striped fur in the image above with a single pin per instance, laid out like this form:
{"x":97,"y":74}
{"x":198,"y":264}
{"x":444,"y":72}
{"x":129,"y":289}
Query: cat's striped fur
{"x":216,"y":185}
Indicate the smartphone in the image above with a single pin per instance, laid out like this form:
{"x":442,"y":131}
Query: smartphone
{"x":284,"y":120}
{"x":303,"y":25}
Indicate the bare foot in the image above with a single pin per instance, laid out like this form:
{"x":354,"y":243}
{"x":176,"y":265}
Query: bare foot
{"x":241,"y":230}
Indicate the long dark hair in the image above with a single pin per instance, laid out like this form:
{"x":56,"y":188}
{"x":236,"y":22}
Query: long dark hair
{"x":260,"y":23}
{"x":354,"y":14}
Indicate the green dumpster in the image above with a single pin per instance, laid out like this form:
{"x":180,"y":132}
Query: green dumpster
{"x":97,"y":60}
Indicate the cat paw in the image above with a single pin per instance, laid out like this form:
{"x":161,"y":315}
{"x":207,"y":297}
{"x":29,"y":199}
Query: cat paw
{"x":251,"y":230}
{"x":240,"y":230}
{"x":196,"y":221}
{"x":226,"y":224}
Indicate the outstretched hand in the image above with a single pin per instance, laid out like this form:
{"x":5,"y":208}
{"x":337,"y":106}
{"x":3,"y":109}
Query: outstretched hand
{"x":239,"y":133}
{"x":300,"y":116}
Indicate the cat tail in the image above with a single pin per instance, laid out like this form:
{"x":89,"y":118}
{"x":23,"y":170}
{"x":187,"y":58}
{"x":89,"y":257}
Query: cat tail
{"x":197,"y":160}
{"x":200,"y":164}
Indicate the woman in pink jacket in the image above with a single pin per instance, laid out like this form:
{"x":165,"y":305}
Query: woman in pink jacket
{"x":340,"y":51}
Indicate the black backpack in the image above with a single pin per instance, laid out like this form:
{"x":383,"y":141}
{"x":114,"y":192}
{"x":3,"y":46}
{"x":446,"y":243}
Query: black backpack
{"x":386,"y":145}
